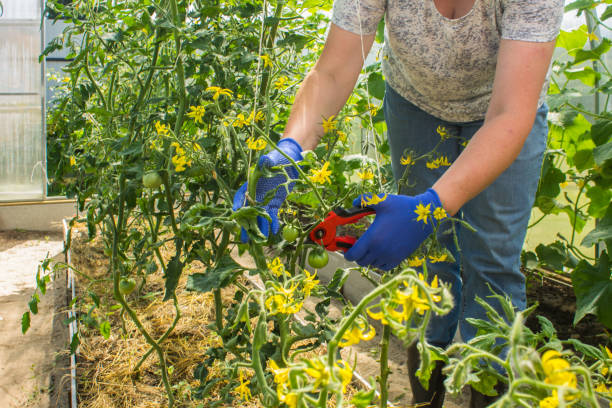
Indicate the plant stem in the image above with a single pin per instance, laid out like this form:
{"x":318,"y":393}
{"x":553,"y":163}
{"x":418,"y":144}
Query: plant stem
{"x":384,"y":366}
{"x":177,"y":316}
{"x":119,"y":297}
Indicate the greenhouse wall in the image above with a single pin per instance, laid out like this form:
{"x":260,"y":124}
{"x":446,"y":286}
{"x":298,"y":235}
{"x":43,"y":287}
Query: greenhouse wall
{"x":22,"y":157}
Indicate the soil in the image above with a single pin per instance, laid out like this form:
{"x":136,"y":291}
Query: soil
{"x":34,"y":369}
{"x":557,"y":303}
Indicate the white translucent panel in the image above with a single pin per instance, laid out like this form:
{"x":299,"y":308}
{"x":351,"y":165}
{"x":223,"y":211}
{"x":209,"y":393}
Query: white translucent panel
{"x":20,"y":71}
{"x":21,"y":148}
{"x":21,"y":10}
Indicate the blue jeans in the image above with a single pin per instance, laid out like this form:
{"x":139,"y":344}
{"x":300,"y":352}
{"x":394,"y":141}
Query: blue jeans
{"x":500,"y":214}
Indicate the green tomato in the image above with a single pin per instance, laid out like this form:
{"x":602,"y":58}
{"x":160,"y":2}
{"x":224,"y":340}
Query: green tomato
{"x":318,"y":258}
{"x":126,"y":286}
{"x":290,"y":233}
{"x":152,"y":180}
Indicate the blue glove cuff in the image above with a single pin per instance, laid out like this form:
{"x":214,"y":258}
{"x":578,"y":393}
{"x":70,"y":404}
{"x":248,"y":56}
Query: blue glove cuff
{"x":435,"y":197}
{"x":291,"y":147}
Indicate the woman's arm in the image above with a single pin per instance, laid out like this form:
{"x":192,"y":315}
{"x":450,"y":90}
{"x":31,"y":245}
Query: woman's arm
{"x":328,"y":85}
{"x":520,"y":75}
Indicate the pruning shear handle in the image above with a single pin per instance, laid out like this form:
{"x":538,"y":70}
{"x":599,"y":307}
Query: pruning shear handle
{"x":325,"y":232}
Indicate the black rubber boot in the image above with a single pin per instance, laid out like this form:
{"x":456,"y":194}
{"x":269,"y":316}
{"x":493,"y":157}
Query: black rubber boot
{"x":478,"y":400}
{"x":422,"y":398}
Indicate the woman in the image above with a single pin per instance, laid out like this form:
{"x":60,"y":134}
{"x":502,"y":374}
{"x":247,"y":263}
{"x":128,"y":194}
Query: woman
{"x":478,"y":69}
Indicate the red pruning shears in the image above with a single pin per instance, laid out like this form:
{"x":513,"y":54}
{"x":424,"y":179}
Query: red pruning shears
{"x":325,"y":232}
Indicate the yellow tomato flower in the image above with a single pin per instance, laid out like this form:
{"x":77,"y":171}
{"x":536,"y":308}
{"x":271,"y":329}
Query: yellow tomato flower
{"x":557,"y":368}
{"x":72,"y":161}
{"x":161,"y":129}
{"x":422,"y":212}
{"x":329,"y":124}
{"x":197,"y":112}
{"x":357,"y":333}
{"x":443,"y":161}
{"x":442,"y":131}
{"x":267,"y":61}
{"x":309,"y":283}
{"x":218,"y":91}
{"x":415,"y":262}
{"x":321,"y":176}
{"x":282,"y":301}
{"x":318,"y":371}
{"x":367,"y":174}
{"x":255,"y":117}
{"x":406,"y":160}
{"x":345,"y":373}
{"x":604,"y":370}
{"x":438,"y":258}
{"x":432,"y":164}
{"x":240,"y":121}
{"x":439,"y":213}
{"x":256,"y":144}
{"x":180,"y":163}
{"x":550,"y":402}
{"x":341,"y":136}
{"x":243,"y":390}
{"x":373,"y":200}
{"x":281,"y":82}
{"x":281,"y":375}
{"x":277,"y":267}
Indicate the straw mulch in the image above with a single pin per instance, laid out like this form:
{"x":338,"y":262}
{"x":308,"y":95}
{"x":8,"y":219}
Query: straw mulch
{"x":105,"y":370}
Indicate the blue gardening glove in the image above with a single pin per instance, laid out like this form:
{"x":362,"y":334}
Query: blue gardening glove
{"x":397,"y":230}
{"x":265,"y":184}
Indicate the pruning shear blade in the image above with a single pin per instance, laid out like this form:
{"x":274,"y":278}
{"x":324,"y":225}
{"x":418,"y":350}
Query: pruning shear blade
{"x":324,"y":233}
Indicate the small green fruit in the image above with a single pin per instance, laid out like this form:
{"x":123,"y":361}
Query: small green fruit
{"x":126,"y":286}
{"x":152,"y":180}
{"x":318,"y":258}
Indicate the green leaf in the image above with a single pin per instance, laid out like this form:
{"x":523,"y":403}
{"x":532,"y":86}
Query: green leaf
{"x":337,"y":281}
{"x":599,"y":200}
{"x":217,"y":277}
{"x":376,"y":85}
{"x":602,"y":153}
{"x":33,"y":304}
{"x":173,"y":273}
{"x":601,"y":131}
{"x":606,"y":14}
{"x":310,"y":199}
{"x":25,"y":322}
{"x":574,"y":40}
{"x":74,"y":342}
{"x":593,"y":289}
{"x":546,"y":327}
{"x":380,"y":31}
{"x":594,"y":54}
{"x":550,"y":180}
{"x":586,"y":75}
{"x":363,"y":399}
{"x":485,"y":385}
{"x":247,"y":218}
{"x":585,"y":349}
{"x":553,"y":255}
{"x":602,"y":231}
{"x":583,"y":159}
{"x":105,"y":329}
{"x":579,"y":5}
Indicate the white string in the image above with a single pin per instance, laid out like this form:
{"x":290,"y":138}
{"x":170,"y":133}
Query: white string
{"x":371,"y":120}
